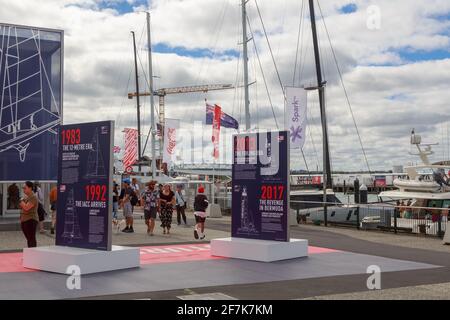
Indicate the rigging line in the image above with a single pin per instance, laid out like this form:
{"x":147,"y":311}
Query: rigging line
{"x":300,"y":24}
{"x":262,"y":72}
{"x":213,"y":40}
{"x":314,"y":124}
{"x":123,"y":99}
{"x":205,"y":66}
{"x":236,"y":82}
{"x":345,"y":90}
{"x":270,"y":49}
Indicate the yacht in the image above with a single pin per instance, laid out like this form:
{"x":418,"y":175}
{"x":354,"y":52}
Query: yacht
{"x":422,"y":193}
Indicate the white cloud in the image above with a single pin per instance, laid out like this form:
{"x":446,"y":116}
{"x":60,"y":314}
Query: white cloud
{"x":98,"y":62}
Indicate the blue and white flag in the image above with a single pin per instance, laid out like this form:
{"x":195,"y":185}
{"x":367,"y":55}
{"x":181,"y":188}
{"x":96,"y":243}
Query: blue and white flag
{"x":226,"y":120}
{"x":296,"y":121}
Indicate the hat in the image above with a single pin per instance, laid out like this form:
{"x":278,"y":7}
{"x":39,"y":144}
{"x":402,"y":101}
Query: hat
{"x":126,"y":181}
{"x":201,"y":189}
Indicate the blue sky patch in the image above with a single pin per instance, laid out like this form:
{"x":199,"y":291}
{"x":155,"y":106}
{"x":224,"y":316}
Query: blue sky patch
{"x":122,"y":7}
{"x":422,"y":55}
{"x":193,"y":53}
{"x":349,"y":8}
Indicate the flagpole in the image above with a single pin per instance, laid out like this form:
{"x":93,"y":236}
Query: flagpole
{"x":152,"y":106}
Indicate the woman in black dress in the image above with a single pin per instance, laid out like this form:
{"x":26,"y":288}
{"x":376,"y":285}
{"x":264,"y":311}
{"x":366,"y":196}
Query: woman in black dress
{"x":166,"y":203}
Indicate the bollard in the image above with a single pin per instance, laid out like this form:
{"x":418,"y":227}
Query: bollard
{"x":357,"y":218}
{"x":440,"y":235}
{"x":396,"y":213}
{"x":356,"y":189}
{"x":363,"y":192}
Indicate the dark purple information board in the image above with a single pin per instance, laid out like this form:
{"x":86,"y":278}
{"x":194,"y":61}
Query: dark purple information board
{"x":85,"y":185}
{"x":260,"y":195}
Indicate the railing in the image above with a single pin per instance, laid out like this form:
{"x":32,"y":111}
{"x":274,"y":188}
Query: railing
{"x":377,"y":216}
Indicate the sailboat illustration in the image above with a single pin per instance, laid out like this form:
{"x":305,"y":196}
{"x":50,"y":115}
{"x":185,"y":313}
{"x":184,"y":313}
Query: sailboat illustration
{"x":28,"y":105}
{"x":247,"y":223}
{"x":95,"y":165}
{"x":71,"y":223}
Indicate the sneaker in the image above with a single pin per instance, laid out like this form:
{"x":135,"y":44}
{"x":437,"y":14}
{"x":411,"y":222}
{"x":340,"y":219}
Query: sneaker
{"x":196,"y":234}
{"x":130,"y":230}
{"x":52,"y":231}
{"x":126,"y":229}
{"x":202,"y":237}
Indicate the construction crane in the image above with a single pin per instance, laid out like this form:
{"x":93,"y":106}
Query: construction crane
{"x":161,"y":93}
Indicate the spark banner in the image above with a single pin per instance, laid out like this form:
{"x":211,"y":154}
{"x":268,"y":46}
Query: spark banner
{"x":296,"y":120}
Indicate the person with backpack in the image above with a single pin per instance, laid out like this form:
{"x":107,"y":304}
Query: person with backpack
{"x":53,"y":197}
{"x":41,"y":211}
{"x":29,"y":214}
{"x":200,"y":205}
{"x":126,"y":206}
{"x":135,"y":186}
{"x":181,"y":205}
{"x":150,"y":201}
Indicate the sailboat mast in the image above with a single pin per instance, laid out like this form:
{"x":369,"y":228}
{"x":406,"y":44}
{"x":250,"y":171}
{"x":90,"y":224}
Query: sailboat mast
{"x":152,"y":106}
{"x":245,"y":61}
{"x":328,"y":183}
{"x":137,"y":101}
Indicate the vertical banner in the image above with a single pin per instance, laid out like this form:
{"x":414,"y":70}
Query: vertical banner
{"x":131,"y":149}
{"x":216,"y":130}
{"x":296,"y":119}
{"x":260,"y":195}
{"x":84,"y":204}
{"x":170,"y":139}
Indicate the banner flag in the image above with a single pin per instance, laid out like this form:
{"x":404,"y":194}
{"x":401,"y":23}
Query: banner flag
{"x":226,"y":120}
{"x":216,"y":130}
{"x":296,"y":120}
{"x":171,"y":127}
{"x":131,"y":148}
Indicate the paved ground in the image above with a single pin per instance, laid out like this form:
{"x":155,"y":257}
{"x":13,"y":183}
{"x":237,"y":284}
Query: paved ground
{"x":416,"y":283}
{"x":423,"y":292}
{"x":14,"y":240}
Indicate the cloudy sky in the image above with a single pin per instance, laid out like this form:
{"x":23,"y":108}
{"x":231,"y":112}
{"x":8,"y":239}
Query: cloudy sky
{"x":394,"y":57}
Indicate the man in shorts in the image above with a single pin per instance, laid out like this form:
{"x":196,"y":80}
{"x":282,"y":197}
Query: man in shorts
{"x":127,"y":207}
{"x":149,"y":200}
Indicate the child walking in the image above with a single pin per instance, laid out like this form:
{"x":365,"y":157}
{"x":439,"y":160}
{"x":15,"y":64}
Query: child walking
{"x":200,"y":205}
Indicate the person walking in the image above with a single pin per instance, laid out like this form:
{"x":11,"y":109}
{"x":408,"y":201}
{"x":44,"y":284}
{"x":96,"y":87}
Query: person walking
{"x":135,"y":198}
{"x":53,"y":197}
{"x":115,"y":197}
{"x":200,"y":205}
{"x":150,"y":202}
{"x":166,"y":202}
{"x":28,"y":214}
{"x":40,"y":210}
{"x":181,"y":205}
{"x":127,"y":207}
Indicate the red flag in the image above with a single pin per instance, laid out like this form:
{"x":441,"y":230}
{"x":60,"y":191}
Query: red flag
{"x":216,"y":130}
{"x":131,"y":148}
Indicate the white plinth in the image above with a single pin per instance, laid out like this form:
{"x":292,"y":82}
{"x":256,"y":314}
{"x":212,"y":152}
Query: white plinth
{"x":259,"y":250}
{"x":58,"y":258}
